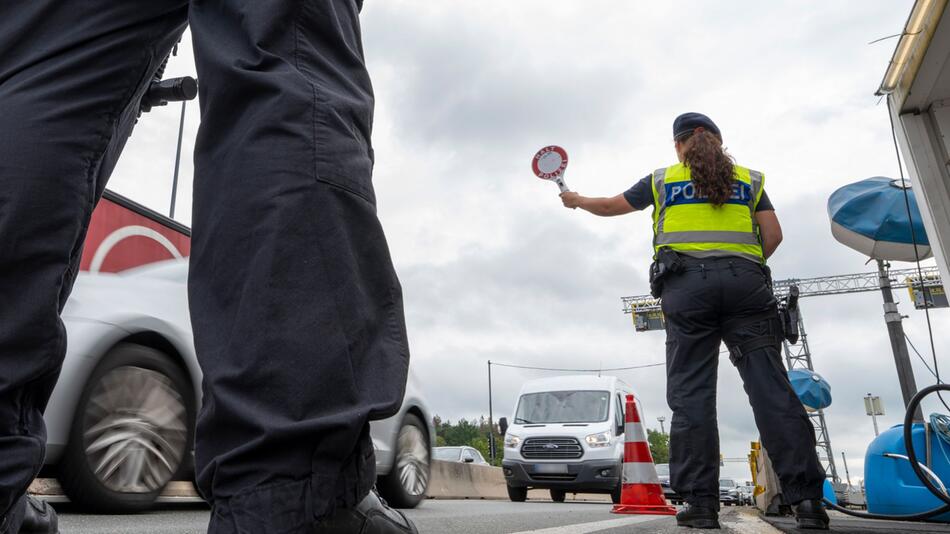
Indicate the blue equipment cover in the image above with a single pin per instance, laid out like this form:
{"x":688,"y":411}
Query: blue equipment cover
{"x":811,"y":389}
{"x":890,"y":485}
{"x":870,"y":216}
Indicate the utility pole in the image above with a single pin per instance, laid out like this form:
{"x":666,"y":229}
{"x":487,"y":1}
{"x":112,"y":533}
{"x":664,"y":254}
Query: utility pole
{"x":895,"y":329}
{"x":491,"y":421}
{"x":662,"y":428}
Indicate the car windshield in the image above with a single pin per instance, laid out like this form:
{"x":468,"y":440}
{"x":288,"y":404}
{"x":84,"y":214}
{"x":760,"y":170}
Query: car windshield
{"x":726,"y":483}
{"x":563,"y":407}
{"x":663,"y":470}
{"x":447,"y":454}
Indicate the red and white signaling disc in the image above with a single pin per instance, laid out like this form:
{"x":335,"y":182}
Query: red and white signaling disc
{"x":550,"y":162}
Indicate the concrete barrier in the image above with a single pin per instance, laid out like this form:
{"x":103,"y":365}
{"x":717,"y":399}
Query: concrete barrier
{"x":448,"y":480}
{"x":455,"y":480}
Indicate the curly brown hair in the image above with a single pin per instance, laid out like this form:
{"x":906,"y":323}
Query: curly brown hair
{"x":711,"y":167}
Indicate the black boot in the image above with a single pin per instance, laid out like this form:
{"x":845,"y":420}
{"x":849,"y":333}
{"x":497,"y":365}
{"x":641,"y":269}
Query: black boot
{"x":39,"y":517}
{"x":811,"y":514}
{"x":698,"y":517}
{"x":371,"y":516}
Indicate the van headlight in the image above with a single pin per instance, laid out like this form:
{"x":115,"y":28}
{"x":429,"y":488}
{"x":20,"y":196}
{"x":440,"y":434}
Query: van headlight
{"x":598,"y":440}
{"x":512,"y":441}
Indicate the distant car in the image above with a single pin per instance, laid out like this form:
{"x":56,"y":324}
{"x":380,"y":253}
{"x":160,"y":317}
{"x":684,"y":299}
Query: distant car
{"x":729,"y":492}
{"x":468,"y":455}
{"x":663,"y":472}
{"x":121,"y":419}
{"x":746,"y":492}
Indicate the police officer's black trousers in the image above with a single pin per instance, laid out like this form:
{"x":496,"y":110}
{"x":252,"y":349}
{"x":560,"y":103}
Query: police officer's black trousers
{"x":727,"y":299}
{"x":296,"y":309}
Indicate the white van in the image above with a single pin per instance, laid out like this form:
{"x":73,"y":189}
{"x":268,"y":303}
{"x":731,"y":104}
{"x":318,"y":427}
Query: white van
{"x":566,"y":436}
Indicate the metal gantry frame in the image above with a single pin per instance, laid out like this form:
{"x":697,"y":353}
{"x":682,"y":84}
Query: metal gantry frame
{"x":798,"y":355}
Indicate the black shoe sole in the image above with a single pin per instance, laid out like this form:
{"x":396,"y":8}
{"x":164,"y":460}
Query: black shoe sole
{"x":808,"y":523}
{"x":699,"y":523}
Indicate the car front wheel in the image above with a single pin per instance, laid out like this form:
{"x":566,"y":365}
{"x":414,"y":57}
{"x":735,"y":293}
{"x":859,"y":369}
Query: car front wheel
{"x":406,"y":485}
{"x":517,"y":494}
{"x":131,"y":432}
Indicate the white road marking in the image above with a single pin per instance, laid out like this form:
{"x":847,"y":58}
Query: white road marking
{"x":585,"y":528}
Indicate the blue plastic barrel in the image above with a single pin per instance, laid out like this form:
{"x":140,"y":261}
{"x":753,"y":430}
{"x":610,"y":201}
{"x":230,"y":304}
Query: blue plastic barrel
{"x":828,"y":492}
{"x":890,"y":484}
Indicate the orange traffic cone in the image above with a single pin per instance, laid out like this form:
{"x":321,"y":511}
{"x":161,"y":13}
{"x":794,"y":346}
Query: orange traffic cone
{"x":641,"y":493}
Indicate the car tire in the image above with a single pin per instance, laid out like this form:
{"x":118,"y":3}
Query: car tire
{"x":407,"y":483}
{"x":517,"y":494}
{"x":131,"y":433}
{"x":558,"y":495}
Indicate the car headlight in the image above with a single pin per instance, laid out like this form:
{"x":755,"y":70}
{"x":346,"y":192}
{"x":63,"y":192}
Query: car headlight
{"x":598,"y":440}
{"x":512,"y":441}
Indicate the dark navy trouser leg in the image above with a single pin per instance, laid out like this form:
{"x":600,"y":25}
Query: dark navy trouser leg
{"x":296,"y":307}
{"x":786,"y":431}
{"x":70,"y":77}
{"x":692,"y":365}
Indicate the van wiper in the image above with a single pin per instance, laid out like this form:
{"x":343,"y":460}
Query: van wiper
{"x":523,"y":421}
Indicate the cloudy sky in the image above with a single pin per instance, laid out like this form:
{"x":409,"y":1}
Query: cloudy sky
{"x":494,"y":268}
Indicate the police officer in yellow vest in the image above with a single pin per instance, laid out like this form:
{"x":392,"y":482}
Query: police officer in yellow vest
{"x":713,"y":228}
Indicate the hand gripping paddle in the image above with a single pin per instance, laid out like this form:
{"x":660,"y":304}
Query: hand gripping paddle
{"x":549,"y":164}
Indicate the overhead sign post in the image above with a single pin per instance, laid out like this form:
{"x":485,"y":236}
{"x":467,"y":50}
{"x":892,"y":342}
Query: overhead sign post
{"x":549,"y":164}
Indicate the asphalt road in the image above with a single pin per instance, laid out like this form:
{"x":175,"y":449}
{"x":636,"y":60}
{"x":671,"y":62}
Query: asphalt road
{"x":432,"y":517}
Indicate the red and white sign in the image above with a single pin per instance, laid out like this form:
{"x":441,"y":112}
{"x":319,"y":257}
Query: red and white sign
{"x":123,"y":235}
{"x":549,"y":164}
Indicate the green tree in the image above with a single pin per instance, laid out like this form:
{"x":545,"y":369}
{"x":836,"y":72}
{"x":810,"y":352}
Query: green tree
{"x":659,"y":446}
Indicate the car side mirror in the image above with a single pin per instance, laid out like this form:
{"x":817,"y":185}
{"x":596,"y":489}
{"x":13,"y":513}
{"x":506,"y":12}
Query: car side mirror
{"x":503,"y":425}
{"x":468,"y":460}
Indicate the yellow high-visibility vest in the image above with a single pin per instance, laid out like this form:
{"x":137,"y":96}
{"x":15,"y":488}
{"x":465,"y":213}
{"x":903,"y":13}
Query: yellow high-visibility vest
{"x":687,"y":223}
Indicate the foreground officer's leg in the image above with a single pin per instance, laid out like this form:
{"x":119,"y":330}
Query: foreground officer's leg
{"x":692,"y":356}
{"x":70,"y":77}
{"x":754,"y":340}
{"x":296,"y":308}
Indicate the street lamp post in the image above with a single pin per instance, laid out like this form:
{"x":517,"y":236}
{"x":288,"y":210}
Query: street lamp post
{"x":491,"y":420}
{"x":874,"y":408}
{"x":661,"y":419}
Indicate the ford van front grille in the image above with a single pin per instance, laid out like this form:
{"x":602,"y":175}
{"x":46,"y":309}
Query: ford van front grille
{"x":551,"y":449}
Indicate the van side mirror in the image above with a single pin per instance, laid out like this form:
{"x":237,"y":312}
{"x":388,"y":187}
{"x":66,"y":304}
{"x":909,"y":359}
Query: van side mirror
{"x":503,"y":425}
{"x":620,"y":429}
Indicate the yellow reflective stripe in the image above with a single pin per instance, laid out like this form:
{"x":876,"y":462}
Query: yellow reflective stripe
{"x":728,"y":217}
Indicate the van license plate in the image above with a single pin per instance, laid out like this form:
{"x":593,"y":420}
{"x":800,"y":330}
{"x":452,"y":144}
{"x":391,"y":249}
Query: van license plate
{"x":551,"y":469}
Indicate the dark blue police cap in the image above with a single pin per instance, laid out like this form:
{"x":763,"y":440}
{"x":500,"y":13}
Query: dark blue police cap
{"x":687,"y":122}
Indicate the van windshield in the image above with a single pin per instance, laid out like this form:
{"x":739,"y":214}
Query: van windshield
{"x":563,"y":407}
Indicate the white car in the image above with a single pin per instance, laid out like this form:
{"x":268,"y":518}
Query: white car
{"x":121,"y":419}
{"x":463,"y":454}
